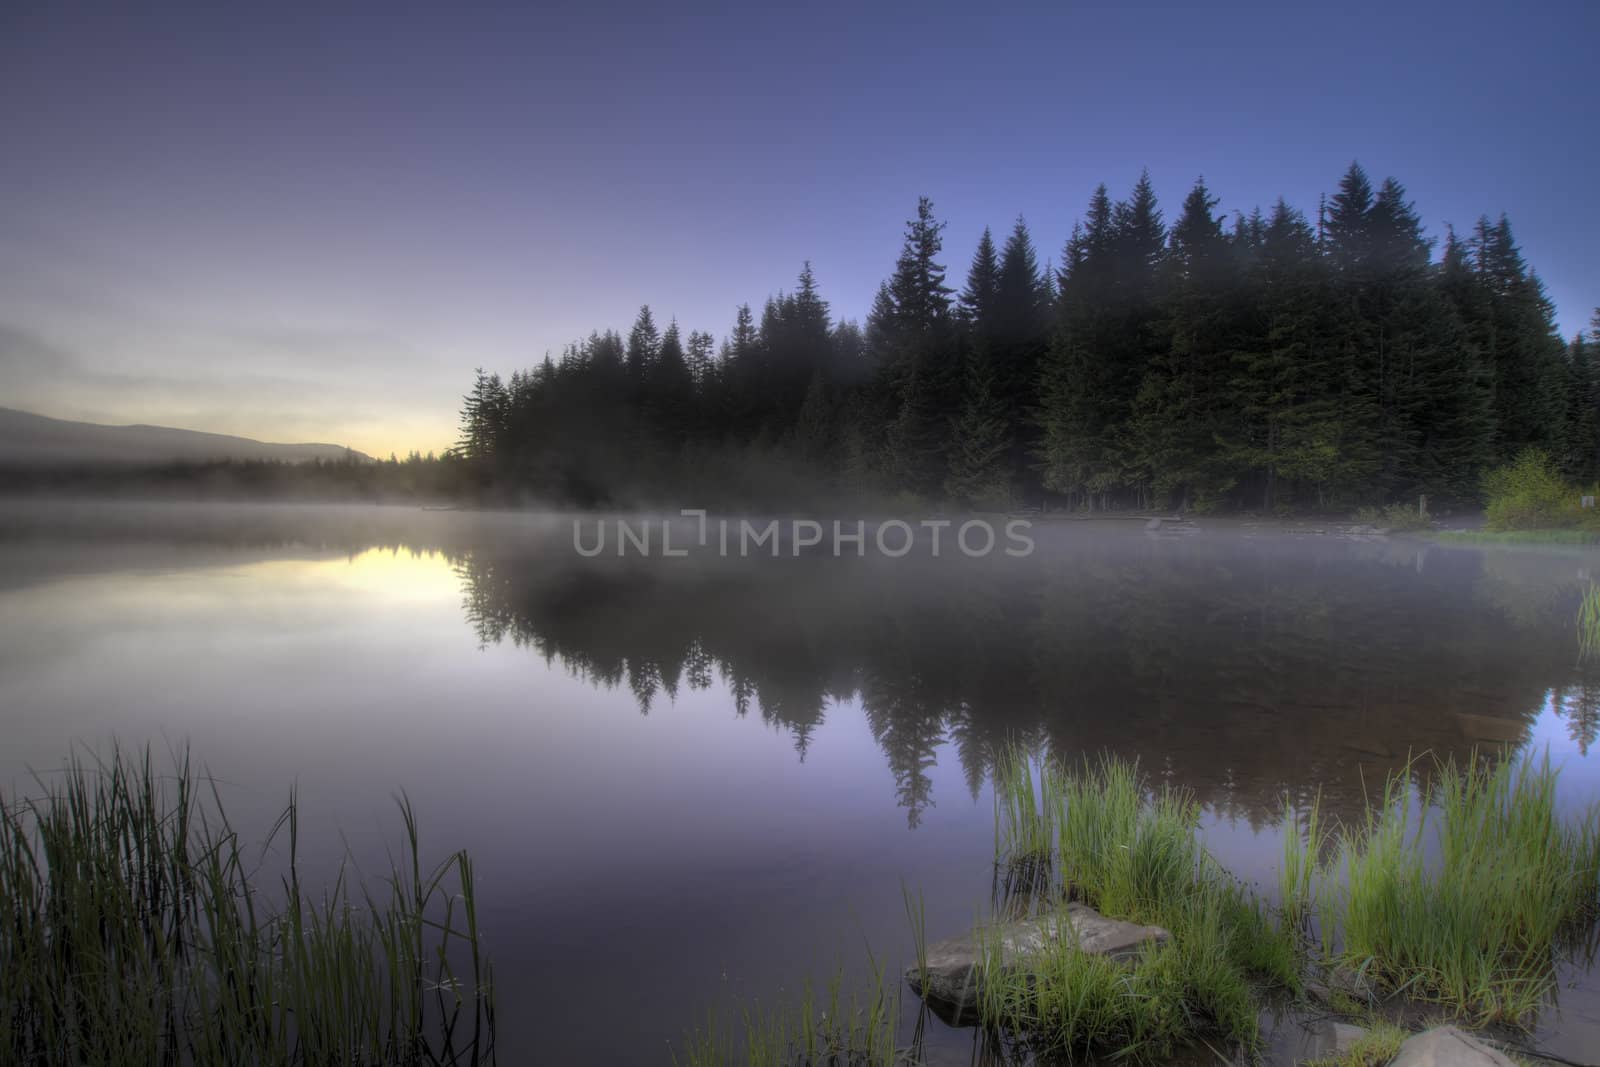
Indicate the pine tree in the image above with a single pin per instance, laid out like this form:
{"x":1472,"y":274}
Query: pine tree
{"x":911,"y":331}
{"x":1140,"y":241}
{"x":644,"y":343}
{"x":671,"y":401}
{"x":980,"y":452}
{"x":1345,"y":221}
{"x":979,"y":306}
{"x":1514,"y":324}
{"x":1447,"y":385}
{"x":1280,"y":436}
{"x":1022,"y":337}
{"x":701,"y":359}
{"x":1084,"y":397}
{"x":484,"y":412}
{"x":1580,"y":453}
{"x":1351,"y":336}
{"x":1183,"y":404}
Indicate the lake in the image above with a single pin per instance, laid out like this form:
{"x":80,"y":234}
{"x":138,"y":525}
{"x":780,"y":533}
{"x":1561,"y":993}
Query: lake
{"x":690,"y":783}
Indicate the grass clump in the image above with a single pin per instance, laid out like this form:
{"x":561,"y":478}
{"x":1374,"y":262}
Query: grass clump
{"x":854,"y":1031}
{"x":1027,"y":816}
{"x":131,"y":931}
{"x":1465,"y":896}
{"x":1132,"y":853}
{"x":1589,"y":622}
{"x":1303,"y":849}
{"x":1067,"y":1003}
{"x":1375,"y":1048}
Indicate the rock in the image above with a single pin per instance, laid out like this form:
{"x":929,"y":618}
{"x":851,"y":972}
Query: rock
{"x":955,"y":966}
{"x":1342,"y":1037}
{"x":1336,"y":985}
{"x":1153,"y":524}
{"x":1446,"y":1046}
{"x":1336,"y":1039}
{"x":1490,"y":728}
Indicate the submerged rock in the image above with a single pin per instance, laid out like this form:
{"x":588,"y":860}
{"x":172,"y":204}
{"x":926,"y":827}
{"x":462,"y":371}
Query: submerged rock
{"x":1446,"y":1046}
{"x":1339,"y":1038}
{"x":955,"y":966}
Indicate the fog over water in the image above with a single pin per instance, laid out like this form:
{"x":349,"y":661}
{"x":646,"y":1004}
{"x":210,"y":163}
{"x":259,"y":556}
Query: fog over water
{"x":691,"y":782}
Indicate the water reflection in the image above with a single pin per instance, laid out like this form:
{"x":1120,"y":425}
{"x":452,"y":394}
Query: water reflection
{"x":681,"y":776}
{"x":1244,"y":668}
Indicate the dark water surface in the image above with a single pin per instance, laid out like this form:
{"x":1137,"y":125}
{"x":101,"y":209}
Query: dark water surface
{"x":690,"y":783}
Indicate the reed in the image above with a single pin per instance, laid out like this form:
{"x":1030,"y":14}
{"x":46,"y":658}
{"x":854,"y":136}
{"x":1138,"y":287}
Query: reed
{"x":1303,"y":850}
{"x":1465,"y":893}
{"x":1028,"y":805}
{"x":858,"y":1030}
{"x":1132,"y":852}
{"x":132,"y":931}
{"x":1589,"y":623}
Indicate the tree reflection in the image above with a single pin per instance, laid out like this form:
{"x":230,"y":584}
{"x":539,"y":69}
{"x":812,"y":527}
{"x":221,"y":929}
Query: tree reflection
{"x":1246,"y":671}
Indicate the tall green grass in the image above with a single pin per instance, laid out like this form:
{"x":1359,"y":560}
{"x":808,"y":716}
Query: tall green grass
{"x":1303,"y":850}
{"x":1465,"y":894}
{"x":1462,"y":893}
{"x":1028,"y":806}
{"x":855,"y":1030}
{"x":1132,"y":852}
{"x":1589,"y":623}
{"x":132,"y":931}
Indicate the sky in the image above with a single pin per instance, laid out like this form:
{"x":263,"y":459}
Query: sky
{"x":311,"y":222}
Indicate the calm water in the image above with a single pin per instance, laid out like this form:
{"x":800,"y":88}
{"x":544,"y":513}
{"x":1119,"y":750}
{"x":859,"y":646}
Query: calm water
{"x":690,"y":783}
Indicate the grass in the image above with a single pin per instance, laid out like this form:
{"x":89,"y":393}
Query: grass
{"x":1465,"y":896}
{"x":1303,"y":849}
{"x":1519,"y":537}
{"x":1375,"y":1048}
{"x":858,"y":1031}
{"x":132,"y":931}
{"x":1026,"y":829}
{"x":1132,"y":853}
{"x":1589,"y":622}
{"x":1461,"y":894}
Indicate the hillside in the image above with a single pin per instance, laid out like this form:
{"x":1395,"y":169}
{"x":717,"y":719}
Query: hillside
{"x":28,"y":440}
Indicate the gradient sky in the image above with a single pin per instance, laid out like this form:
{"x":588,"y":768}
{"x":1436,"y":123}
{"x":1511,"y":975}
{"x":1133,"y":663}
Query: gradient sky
{"x":312,"y":224}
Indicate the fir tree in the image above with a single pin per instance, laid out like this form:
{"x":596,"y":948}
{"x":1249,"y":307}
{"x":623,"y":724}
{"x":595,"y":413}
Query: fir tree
{"x":979,"y":306}
{"x":980,"y":451}
{"x":1022,"y":336}
{"x":1182,"y":406}
{"x":911,"y":328}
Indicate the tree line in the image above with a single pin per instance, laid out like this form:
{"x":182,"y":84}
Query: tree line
{"x":1266,"y":362}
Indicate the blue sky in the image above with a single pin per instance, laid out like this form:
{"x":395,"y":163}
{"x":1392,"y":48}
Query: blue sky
{"x":311,"y":223}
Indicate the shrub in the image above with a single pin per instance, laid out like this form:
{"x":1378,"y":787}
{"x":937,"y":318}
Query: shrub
{"x":1528,"y":493}
{"x":1393,"y":517}
{"x":1405,"y":517}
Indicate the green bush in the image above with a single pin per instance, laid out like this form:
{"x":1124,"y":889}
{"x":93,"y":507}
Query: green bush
{"x":1528,"y":494}
{"x":1393,"y":517}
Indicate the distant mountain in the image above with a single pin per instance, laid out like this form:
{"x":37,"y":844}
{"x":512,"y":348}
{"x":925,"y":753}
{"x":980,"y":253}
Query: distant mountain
{"x":28,"y":440}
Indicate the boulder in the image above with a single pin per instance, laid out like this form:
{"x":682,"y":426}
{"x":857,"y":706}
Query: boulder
{"x":1446,"y":1046}
{"x":1340,"y":1038}
{"x":954,"y":968}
